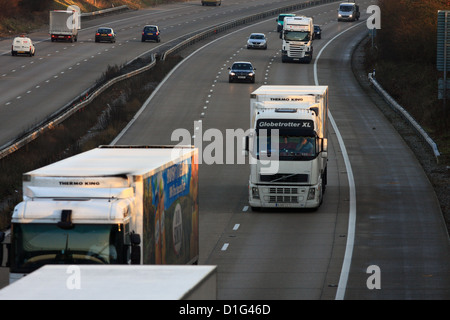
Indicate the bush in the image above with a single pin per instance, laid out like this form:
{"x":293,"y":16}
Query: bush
{"x":408,"y":30}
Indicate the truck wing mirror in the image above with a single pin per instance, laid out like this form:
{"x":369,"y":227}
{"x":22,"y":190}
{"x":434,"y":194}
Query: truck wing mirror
{"x":246,"y":142}
{"x":135,"y":239}
{"x":324,"y":148}
{"x":2,"y":246}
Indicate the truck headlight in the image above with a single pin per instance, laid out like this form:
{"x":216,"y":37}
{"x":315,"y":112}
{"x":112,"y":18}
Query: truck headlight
{"x":255,"y":193}
{"x":311,"y":194}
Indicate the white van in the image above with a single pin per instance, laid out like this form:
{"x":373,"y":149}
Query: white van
{"x":22,"y":45}
{"x":348,"y":11}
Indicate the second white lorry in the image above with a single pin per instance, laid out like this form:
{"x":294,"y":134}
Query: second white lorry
{"x":297,"y":36}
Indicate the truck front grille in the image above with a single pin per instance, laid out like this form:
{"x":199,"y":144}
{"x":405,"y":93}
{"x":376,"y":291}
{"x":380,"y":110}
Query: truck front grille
{"x":283,"y":199}
{"x":283,"y":190}
{"x":297,"y":50}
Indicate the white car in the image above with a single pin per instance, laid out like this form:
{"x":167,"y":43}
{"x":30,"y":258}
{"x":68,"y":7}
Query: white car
{"x":257,"y":41}
{"x":22,"y":45}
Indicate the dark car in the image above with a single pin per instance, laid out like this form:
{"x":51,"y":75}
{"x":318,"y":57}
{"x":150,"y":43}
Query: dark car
{"x":105,"y":34}
{"x":317,"y":32}
{"x":151,"y":33}
{"x":241,"y":71}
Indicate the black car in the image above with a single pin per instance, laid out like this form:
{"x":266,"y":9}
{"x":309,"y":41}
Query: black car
{"x":151,"y":33}
{"x":241,"y":71}
{"x":105,"y":34}
{"x":317,"y":32}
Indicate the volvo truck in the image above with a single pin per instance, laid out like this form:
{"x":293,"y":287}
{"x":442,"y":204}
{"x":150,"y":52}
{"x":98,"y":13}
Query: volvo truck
{"x":297,"y":36}
{"x":110,"y":205}
{"x":287,"y":146}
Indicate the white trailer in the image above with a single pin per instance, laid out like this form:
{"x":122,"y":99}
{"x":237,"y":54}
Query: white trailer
{"x":109,"y":205}
{"x":64,"y":25}
{"x":82,"y":282}
{"x":288,"y":146}
{"x":297,"y":36}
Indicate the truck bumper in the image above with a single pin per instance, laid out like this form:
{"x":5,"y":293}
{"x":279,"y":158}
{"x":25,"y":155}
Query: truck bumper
{"x":64,"y":37}
{"x":303,"y":57}
{"x":280,"y":196}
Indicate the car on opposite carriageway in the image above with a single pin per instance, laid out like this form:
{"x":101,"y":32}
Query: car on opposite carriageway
{"x":105,"y":34}
{"x":151,"y":32}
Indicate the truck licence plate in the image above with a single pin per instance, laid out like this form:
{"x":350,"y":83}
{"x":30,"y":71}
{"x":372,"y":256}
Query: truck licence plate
{"x":282,"y":205}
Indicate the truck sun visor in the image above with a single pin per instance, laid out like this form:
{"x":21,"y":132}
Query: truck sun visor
{"x":66,"y":220}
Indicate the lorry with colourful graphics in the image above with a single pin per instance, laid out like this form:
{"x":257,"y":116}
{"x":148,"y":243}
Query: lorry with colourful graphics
{"x":110,"y":205}
{"x":287,"y":146}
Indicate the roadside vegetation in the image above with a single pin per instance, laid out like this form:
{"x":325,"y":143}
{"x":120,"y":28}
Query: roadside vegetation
{"x":404,"y":58}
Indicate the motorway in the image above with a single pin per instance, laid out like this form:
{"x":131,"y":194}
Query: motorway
{"x":379,"y":208}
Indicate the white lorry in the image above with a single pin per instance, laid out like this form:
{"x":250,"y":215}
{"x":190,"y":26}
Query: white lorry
{"x":287,"y":146}
{"x":297,"y":36}
{"x":64,"y":25}
{"x":109,"y":205}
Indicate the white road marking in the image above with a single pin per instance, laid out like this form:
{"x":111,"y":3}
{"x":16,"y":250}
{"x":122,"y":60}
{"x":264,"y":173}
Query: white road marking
{"x":352,"y":210}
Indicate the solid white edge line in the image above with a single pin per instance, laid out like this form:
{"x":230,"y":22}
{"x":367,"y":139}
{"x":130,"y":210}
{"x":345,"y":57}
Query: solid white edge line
{"x":351,"y":182}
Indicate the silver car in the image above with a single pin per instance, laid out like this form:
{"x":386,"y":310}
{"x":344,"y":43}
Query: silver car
{"x":257,"y":41}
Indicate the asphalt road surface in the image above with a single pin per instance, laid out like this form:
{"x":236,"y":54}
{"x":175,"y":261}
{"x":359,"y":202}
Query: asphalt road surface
{"x":380,"y":222}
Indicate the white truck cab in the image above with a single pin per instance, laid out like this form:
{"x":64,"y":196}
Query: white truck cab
{"x":22,"y":45}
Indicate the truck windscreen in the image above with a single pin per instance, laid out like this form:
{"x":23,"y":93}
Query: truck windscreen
{"x":38,"y":244}
{"x":289,"y":147}
{"x":297,"y":36}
